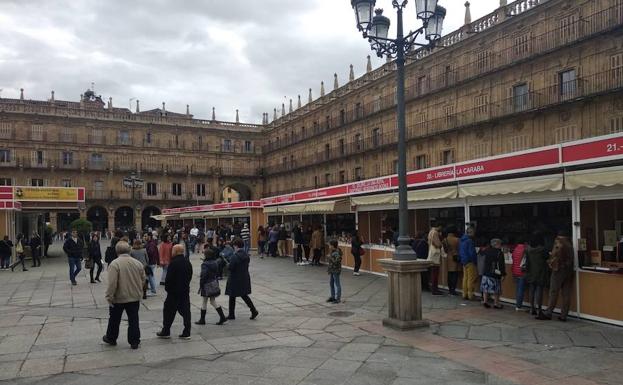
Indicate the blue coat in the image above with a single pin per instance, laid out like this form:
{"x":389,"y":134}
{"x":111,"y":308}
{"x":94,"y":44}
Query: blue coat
{"x":467,"y":251}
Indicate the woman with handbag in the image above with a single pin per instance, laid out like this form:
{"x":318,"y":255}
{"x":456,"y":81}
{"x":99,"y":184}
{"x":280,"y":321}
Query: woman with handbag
{"x":19,"y":251}
{"x":357,"y":250}
{"x":95,"y":256}
{"x":494,"y":273}
{"x":209,"y":287}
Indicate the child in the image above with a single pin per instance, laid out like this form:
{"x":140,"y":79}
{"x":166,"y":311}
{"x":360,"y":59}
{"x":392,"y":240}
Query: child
{"x":334,"y":261}
{"x":208,"y":285}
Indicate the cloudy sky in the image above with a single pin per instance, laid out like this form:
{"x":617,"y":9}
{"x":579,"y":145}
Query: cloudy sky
{"x":231,"y":54}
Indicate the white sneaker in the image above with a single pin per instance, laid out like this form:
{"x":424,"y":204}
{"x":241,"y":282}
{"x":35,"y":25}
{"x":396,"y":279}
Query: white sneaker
{"x":356,"y":274}
{"x":150,"y":294}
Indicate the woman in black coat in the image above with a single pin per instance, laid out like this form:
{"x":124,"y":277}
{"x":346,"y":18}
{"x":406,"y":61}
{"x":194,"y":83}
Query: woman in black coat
{"x":95,"y":253}
{"x":239,"y":280}
{"x":208,"y":284}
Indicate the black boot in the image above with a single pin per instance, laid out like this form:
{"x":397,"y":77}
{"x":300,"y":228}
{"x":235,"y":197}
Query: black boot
{"x":202,"y":320}
{"x":222,"y":319}
{"x":232,"y":309}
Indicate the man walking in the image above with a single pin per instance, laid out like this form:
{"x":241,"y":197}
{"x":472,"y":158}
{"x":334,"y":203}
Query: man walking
{"x":245,"y":234}
{"x":177,"y":286}
{"x":125,"y":290}
{"x":73,"y":248}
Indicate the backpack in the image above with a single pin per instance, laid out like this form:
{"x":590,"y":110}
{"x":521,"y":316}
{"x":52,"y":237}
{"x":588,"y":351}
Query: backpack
{"x":110,"y":255}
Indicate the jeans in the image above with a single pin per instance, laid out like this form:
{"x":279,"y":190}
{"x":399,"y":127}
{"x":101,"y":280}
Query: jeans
{"x":116,"y":311}
{"x":434,"y":279}
{"x":261,"y":245}
{"x":357,"y":258}
{"x":176,"y":304}
{"x":336,"y":286}
{"x":152,"y":279}
{"x":164,"y":273}
{"x":36,"y":257}
{"x":272,"y":249}
{"x":75,"y":265}
{"x":20,"y":259}
{"x":536,"y":297}
{"x":5,"y":262}
{"x":520,"y":287}
{"x":247,"y":245}
{"x":97,"y":262}
{"x":297,"y":253}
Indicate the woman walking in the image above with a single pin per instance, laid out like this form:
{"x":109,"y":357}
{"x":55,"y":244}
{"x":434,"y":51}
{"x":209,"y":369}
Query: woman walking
{"x":95,"y":253}
{"x":357,"y":250}
{"x":208,"y":285}
{"x":261,"y":241}
{"x":165,"y":250}
{"x":19,"y":251}
{"x":239,"y":280}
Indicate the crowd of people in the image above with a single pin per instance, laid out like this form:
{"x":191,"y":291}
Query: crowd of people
{"x":33,"y":248}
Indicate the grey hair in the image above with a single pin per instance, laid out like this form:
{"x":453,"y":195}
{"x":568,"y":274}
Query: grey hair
{"x":496,"y":242}
{"x":122,"y":247}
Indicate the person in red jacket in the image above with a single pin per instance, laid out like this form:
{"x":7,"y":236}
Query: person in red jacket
{"x":518,"y":274}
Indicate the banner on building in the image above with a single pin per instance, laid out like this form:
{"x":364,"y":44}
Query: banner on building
{"x":47,"y":194}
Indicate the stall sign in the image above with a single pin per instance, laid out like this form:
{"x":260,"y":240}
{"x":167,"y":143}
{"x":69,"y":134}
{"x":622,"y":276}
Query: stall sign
{"x":526,"y":161}
{"x":441,"y":174}
{"x":592,"y":150}
{"x":48,"y":194}
{"x":372,"y":185}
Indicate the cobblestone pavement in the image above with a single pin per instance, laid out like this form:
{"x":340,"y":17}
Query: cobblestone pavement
{"x":50,"y":333}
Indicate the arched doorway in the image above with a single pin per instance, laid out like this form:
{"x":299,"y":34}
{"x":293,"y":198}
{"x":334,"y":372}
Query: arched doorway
{"x":236,"y":192}
{"x":63,"y":220}
{"x":124,"y":218}
{"x":98,"y":215}
{"x":147,"y":220}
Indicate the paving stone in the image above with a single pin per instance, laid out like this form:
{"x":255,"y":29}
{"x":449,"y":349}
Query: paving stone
{"x":453,"y":331}
{"x":587,"y":338}
{"x":486,"y":333}
{"x":341,"y":365}
{"x":552,"y":337}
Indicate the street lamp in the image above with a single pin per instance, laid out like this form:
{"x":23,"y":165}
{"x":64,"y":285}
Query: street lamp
{"x":404,"y":279}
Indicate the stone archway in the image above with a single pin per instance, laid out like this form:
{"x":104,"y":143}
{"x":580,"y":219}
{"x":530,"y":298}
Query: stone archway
{"x":236,"y":192}
{"x":98,"y":215}
{"x":147,"y":220}
{"x":124,"y":218}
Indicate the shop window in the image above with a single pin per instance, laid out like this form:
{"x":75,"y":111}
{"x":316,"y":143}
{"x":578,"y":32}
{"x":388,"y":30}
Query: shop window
{"x":602,"y":233}
{"x":420,"y":162}
{"x":176,"y":189}
{"x":616,"y":124}
{"x":201,"y":190}
{"x":152,"y":189}
{"x":342,"y":177}
{"x":520,"y":97}
{"x":67,"y":158}
{"x":5,"y":155}
{"x":6,"y":182}
{"x":327,"y":179}
{"x":66,"y":183}
{"x":376,"y":137}
{"x":358,"y":173}
{"x":567,"y":84}
{"x":37,"y":182}
{"x":447,"y":157}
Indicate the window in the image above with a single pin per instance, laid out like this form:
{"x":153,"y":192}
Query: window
{"x":342,"y":147}
{"x":568,"y":29}
{"x":448,"y":77}
{"x":152,"y":189}
{"x":421,"y":85}
{"x":420,"y":162}
{"x":36,"y":132}
{"x":97,"y":159}
{"x":327,"y":151}
{"x":303,"y":133}
{"x":98,"y":185}
{"x":342,"y":177}
{"x":66,"y":183}
{"x":201,"y":189}
{"x":6,"y":182}
{"x":481,"y":104}
{"x":616,"y":124}
{"x":176,"y":189}
{"x":565,"y":134}
{"x":68,"y":158}
{"x":342,"y":117}
{"x":616,"y":67}
{"x":292,"y":161}
{"x":39,"y":157}
{"x":97,"y":136}
{"x":376,"y":104}
{"x":148,"y":137}
{"x":376,"y":137}
{"x":248,"y":147}
{"x":358,"y":142}
{"x":447,"y":157}
{"x":327,"y":122}
{"x":6,"y":130}
{"x":36,"y":182}
{"x":518,"y":143}
{"x":327,"y":179}
{"x":358,"y":111}
{"x":284,"y":161}
{"x":483,"y":61}
{"x":358,"y":173}
{"x":227,"y":144}
{"x":124,"y":137}
{"x":315,"y":127}
{"x":5,"y":156}
{"x":522,"y":45}
{"x":66,"y":135}
{"x":568,"y":84}
{"x":520,"y":97}
{"x":449,"y":114}
{"x":316,"y":182}
{"x":480,"y":149}
{"x":394,"y":167}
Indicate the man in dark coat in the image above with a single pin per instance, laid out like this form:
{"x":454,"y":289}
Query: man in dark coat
{"x":239,"y":280}
{"x":177,"y":286}
{"x":73,"y":248}
{"x":35,"y":249}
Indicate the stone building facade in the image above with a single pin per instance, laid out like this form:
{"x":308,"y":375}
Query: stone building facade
{"x":532,"y":73}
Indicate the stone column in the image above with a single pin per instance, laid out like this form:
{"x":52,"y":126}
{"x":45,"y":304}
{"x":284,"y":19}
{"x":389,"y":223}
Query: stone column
{"x":111,"y":220}
{"x":404,"y":294}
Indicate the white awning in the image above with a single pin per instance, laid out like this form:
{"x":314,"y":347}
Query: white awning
{"x":320,"y":207}
{"x":449,"y":192}
{"x":160,"y":217}
{"x":226,"y":213}
{"x":292,"y":209}
{"x":609,"y":176}
{"x":379,"y":199}
{"x":192,"y":215}
{"x":271,"y":209}
{"x":512,"y":186}
{"x":334,"y":207}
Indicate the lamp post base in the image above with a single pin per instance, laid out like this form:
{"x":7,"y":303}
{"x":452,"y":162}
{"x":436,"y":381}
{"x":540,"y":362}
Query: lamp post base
{"x":404,"y":293}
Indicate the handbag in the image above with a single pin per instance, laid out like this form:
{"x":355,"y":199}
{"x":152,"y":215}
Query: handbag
{"x":88,"y":263}
{"x":212,"y":288}
{"x":523,"y":265}
{"x":362,"y":251}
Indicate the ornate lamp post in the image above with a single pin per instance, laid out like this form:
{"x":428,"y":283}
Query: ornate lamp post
{"x":405,"y":308}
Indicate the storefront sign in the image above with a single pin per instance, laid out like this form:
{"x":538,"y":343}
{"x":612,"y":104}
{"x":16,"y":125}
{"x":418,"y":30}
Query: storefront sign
{"x":371,"y":185}
{"x":593,"y":150}
{"x":214,"y":207}
{"x":430,"y":176}
{"x":539,"y":159}
{"x":48,"y":194}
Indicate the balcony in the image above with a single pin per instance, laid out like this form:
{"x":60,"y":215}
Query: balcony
{"x":38,"y":136}
{"x":74,"y":165}
{"x":7,"y":134}
{"x":124,"y":141}
{"x":96,"y":164}
{"x":151,"y":197}
{"x":67,"y":138}
{"x":99,"y":194}
{"x":125,"y":166}
{"x":201,"y":170}
{"x":153,"y":143}
{"x":34,"y":163}
{"x":179,"y":145}
{"x":97,"y":139}
{"x":177,"y":169}
{"x":151,"y":167}
{"x":173,"y":197}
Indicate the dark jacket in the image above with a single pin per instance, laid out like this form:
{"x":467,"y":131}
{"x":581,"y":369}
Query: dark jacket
{"x":420,"y":247}
{"x":283,"y":234}
{"x":5,"y":248}
{"x":239,"y":280}
{"x":210,"y":270}
{"x":355,"y":245}
{"x":179,"y":275}
{"x":495,"y":266}
{"x":35,"y":242}
{"x":467,"y":251}
{"x":94,"y":251}
{"x":297,"y":235}
{"x":537,"y":269}
{"x":73,"y":249}
{"x":153,"y":255}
